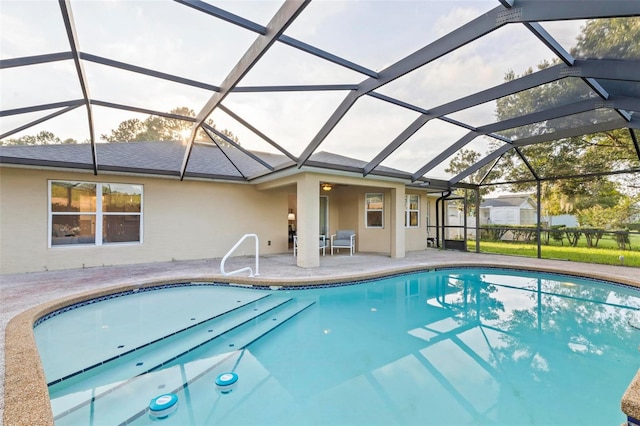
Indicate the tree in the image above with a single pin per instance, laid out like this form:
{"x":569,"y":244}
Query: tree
{"x":601,"y":152}
{"x":614,"y":38}
{"x":458,"y":164}
{"x":156,"y":128}
{"x":127,"y":131}
{"x":153,"y":128}
{"x":43,"y":138}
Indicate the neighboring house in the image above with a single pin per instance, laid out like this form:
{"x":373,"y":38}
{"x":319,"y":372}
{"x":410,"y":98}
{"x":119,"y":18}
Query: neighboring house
{"x":55,"y":213}
{"x":508,"y":210}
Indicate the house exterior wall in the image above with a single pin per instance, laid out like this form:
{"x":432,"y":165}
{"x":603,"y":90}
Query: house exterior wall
{"x":505,"y":216}
{"x":181,"y":220}
{"x":563,"y":219}
{"x":528,"y":216}
{"x":373,"y":240}
{"x":347,"y":211}
{"x":190,"y":220}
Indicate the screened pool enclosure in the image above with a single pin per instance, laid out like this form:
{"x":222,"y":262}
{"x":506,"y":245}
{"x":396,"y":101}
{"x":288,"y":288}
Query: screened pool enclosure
{"x":444,"y":95}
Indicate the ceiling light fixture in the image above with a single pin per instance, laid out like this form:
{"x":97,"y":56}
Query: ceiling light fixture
{"x":327,"y":187}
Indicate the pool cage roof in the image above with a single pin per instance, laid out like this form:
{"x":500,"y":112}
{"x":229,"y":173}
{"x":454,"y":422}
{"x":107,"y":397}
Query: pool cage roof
{"x":382,"y":88}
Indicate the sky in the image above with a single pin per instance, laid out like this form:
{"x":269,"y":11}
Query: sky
{"x":176,"y":39}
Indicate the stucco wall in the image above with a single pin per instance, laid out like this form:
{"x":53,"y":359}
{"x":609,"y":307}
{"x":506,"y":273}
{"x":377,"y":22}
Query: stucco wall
{"x":181,"y":220}
{"x":374,"y":240}
{"x":346,"y":211}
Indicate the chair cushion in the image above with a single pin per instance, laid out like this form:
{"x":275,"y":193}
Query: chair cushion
{"x":344,"y":235}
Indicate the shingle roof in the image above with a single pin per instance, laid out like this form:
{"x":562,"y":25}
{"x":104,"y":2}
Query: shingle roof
{"x":165,"y":158}
{"x":162,"y":157}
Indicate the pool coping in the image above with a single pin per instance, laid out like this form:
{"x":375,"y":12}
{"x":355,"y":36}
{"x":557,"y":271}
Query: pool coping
{"x":26,"y":397}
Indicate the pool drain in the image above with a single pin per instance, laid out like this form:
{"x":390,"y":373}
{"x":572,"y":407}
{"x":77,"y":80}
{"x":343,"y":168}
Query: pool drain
{"x":163,"y":406}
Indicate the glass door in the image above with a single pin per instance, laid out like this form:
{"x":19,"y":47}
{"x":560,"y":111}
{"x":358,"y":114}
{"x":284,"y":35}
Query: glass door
{"x":324,"y":216}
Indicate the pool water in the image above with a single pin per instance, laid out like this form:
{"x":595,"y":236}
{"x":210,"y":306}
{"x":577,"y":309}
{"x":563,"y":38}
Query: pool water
{"x":446,"y":347}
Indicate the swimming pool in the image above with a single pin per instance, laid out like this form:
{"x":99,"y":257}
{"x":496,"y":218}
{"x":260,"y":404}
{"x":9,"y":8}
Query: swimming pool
{"x":453,"y":346}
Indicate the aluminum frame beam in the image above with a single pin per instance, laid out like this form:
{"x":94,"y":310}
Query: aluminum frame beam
{"x":146,"y":71}
{"x":552,"y":44}
{"x":561,"y":10}
{"x":476,"y":28}
{"x":142,"y":110}
{"x":258,"y":132}
{"x":573,"y":132}
{"x":536,"y":117}
{"x":235,"y":145}
{"x":278,"y":24}
{"x":559,"y":177}
{"x":39,"y":120}
{"x":295,"y":88}
{"x":527,"y":163}
{"x":35,"y":60}
{"x":208,"y":130}
{"x":67,"y":17}
{"x":547,"y":137}
{"x":524,"y":12}
{"x":607,"y":69}
{"x":399,"y":140}
{"x":480,"y":164}
{"x":224,"y":15}
{"x":43,"y":107}
{"x":544,"y":115}
{"x":459,"y":144}
{"x":257,"y":28}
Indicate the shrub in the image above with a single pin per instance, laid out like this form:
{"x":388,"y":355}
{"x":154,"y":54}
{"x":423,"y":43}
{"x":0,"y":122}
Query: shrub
{"x":622,"y":238}
{"x":573,"y":235}
{"x":593,"y":236}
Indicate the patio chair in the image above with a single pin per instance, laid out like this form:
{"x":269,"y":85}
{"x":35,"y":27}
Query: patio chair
{"x":322,"y":244}
{"x":344,"y":239}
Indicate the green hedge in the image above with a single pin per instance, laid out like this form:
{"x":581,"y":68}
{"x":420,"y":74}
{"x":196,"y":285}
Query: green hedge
{"x":559,"y":233}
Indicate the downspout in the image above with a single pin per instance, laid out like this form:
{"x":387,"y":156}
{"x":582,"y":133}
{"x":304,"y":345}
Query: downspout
{"x":538,"y":211}
{"x":438,"y":216}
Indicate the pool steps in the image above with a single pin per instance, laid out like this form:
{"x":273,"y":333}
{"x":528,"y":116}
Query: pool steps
{"x":172,"y":328}
{"x":128,"y":335}
{"x":239,"y":328}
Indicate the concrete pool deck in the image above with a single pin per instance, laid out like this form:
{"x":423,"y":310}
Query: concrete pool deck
{"x":26,"y":297}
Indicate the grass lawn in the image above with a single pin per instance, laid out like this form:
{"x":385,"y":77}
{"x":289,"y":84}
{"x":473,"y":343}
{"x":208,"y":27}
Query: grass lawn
{"x":607,"y":251}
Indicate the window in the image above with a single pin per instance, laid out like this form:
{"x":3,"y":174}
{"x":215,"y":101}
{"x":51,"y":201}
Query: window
{"x":412,"y":211}
{"x":374,"y":206}
{"x":78,"y":216}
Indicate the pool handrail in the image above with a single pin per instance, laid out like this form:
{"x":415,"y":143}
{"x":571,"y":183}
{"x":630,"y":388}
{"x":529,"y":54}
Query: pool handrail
{"x":248,"y":268}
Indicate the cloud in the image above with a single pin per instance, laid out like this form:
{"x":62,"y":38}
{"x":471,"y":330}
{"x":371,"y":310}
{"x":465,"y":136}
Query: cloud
{"x":457,"y":17}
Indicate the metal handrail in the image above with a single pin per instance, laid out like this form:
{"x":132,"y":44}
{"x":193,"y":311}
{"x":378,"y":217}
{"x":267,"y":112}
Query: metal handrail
{"x":224,"y":259}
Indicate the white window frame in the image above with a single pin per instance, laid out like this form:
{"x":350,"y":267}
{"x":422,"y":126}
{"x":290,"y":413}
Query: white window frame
{"x":98,"y":214}
{"x":408,"y":210}
{"x":367,"y":210}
